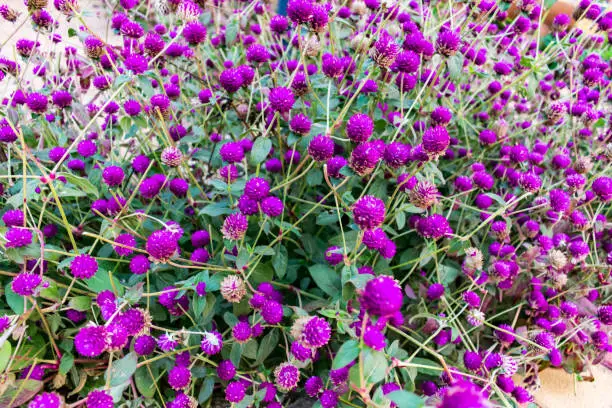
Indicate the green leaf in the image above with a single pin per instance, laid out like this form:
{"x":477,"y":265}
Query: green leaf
{"x":434,"y":370}
{"x":231,"y":30}
{"x":20,"y":392}
{"x":206,"y":390}
{"x":236,"y":354}
{"x":268,"y":344}
{"x":280,"y":260}
{"x":448,"y":274}
{"x":326,"y":279}
{"x":123,"y":369}
{"x":264,"y":250}
{"x":144,"y":383}
{"x":261,"y":149}
{"x":405,"y":399}
{"x":5,"y":355}
{"x":80,"y":303}
{"x":66,"y":364}
{"x":216,"y":209}
{"x":455,"y":66}
{"x":348,"y":352}
{"x":82,"y":183}
{"x":262,"y":273}
{"x":102,"y":281}
{"x":374,"y":366}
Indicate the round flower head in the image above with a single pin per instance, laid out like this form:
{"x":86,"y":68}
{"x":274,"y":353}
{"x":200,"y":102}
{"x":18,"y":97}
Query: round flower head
{"x":434,"y":226}
{"x":559,"y":200}
{"x":321,"y":148}
{"x":144,"y":345}
{"x":233,"y":288}
{"x":359,"y":127}
{"x":530,"y":182}
{"x":234,"y":227}
{"x":423,"y":195}
{"x":99,"y":399}
{"x":91,"y":341}
{"x":124,"y":244}
{"x":369,"y":212}
{"x":396,"y":154}
{"x":46,"y":400}
{"x":232,"y":152}
{"x":313,"y":386}
{"x":463,"y":394}
{"x":385,"y":50}
{"x":257,"y":188}
{"x":13,"y":218}
{"x":242,"y":332}
{"x":84,"y":266}
{"x":329,"y":399}
{"x":300,"y":11}
{"x":171,"y":156}
{"x":235,"y":392}
{"x":272,"y":312}
{"x":179,"y":187}
{"x":435,"y":141}
{"x":300,"y":124}
{"x":212,"y":343}
{"x":194,"y":32}
{"x":287,"y":377}
{"x":200,"y":238}
{"x":316,"y":333}
{"x":281,"y":99}
{"x":226,"y":370}
{"x":382,"y":296}
{"x":448,"y":43}
{"x":272,"y":206}
{"x":18,"y":237}
{"x":179,"y":377}
{"x":365,"y":157}
{"x":602,"y":187}
{"x":161,"y":245}
{"x":37,"y":102}
{"x":26,"y":284}
{"x":374,"y":338}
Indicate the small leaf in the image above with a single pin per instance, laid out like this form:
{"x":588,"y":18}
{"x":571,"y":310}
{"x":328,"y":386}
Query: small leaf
{"x":15,"y":302}
{"x":206,"y":390}
{"x":326,"y":279}
{"x":348,"y":352}
{"x":5,"y":355}
{"x":236,"y":354}
{"x":434,"y":370}
{"x":144,"y":383}
{"x":82,"y":184}
{"x":280,"y":260}
{"x":102,"y":281}
{"x":374,"y":366}
{"x":123,"y":369}
{"x":231,"y":30}
{"x":66,"y":363}
{"x":268,"y":344}
{"x":80,"y":303}
{"x":405,"y":399}
{"x":216,"y":209}
{"x":261,"y":149}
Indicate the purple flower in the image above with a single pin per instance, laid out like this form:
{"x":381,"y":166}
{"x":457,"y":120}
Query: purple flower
{"x":300,"y":11}
{"x":382,"y":296}
{"x":99,"y":399}
{"x":46,"y":400}
{"x":287,"y":376}
{"x":313,"y":386}
{"x":161,"y":245}
{"x":144,"y":345}
{"x":435,"y":141}
{"x":18,"y":237}
{"x":212,"y":343}
{"x":602,"y":186}
{"x":300,"y":123}
{"x":232,"y":152}
{"x":84,"y":266}
{"x":91,"y":341}
{"x":179,"y":377}
{"x":281,"y":99}
{"x":124,"y":244}
{"x":359,"y":127}
{"x":272,"y":206}
{"x":369,"y":212}
{"x":235,"y":391}
{"x":321,"y":148}
{"x":234,"y":227}
{"x":448,"y":43}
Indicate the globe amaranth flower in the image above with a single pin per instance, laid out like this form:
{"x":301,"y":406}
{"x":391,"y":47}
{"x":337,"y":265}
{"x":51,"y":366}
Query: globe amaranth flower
{"x":463,"y":393}
{"x":84,"y":266}
{"x":47,"y":400}
{"x":18,"y":237}
{"x":329,"y":399}
{"x":530,"y":182}
{"x":602,"y":187}
{"x":316,"y":333}
{"x":424,"y":194}
{"x":300,"y":124}
{"x":313,"y":386}
{"x":212,"y":343}
{"x":226,"y":370}
{"x":382,"y":296}
{"x":374,"y":338}
{"x":321,"y":148}
{"x":281,"y":99}
{"x":272,"y":312}
{"x":232,"y":152}
{"x":369,"y":212}
{"x":235,"y":226}
{"x":435,"y":141}
{"x":113,"y":175}
{"x":13,"y":218}
{"x":233,"y":288}
{"x":91,"y":341}
{"x":384,"y":51}
{"x":194,"y":32}
{"x":560,"y":201}
{"x":162,"y":245}
{"x":257,"y":188}
{"x":179,"y":377}
{"x":99,"y":399}
{"x":272,"y":206}
{"x":26,"y":284}
{"x":434,"y":226}
{"x":300,"y":11}
{"x":241,"y":332}
{"x":359,"y":127}
{"x":396,"y":154}
{"x":171,"y":156}
{"x":124,"y":244}
{"x":286,"y":377}
{"x":144,"y":345}
{"x":235,"y":391}
{"x":448,"y":43}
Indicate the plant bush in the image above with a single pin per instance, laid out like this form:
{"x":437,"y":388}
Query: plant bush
{"x":365,"y":204}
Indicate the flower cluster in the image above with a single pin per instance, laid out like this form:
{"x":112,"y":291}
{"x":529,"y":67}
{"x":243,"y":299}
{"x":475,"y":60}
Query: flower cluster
{"x":367,"y":203}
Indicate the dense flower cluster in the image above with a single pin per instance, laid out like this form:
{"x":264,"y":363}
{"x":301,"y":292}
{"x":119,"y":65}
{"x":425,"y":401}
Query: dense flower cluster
{"x":367,"y":203}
